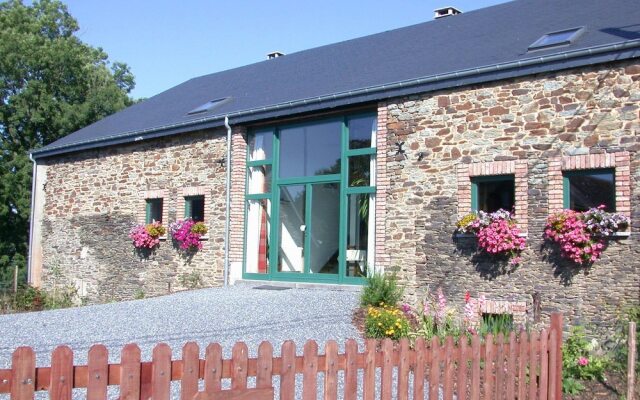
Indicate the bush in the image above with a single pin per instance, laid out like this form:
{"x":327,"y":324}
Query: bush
{"x":496,"y":324}
{"x":381,"y":289}
{"x":619,"y":343}
{"x":434,"y":318}
{"x":386,"y":322}
{"x":579,"y":361}
{"x":29,"y":298}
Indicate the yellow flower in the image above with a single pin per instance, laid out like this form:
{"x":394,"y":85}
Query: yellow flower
{"x":379,"y":323}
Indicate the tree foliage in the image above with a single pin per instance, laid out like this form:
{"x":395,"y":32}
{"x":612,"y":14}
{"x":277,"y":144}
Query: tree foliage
{"x":51,"y":84}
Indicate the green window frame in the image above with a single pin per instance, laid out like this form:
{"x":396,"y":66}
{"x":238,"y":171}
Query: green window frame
{"x":191,"y":203}
{"x":273,"y":195}
{"x":154,"y":208}
{"x":477,"y":180}
{"x":566,"y":183}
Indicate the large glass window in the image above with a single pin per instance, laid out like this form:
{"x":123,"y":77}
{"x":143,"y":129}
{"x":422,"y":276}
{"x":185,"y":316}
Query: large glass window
{"x":292,"y":207}
{"x":358,"y":233}
{"x":257,"y":242}
{"x":586,"y":189}
{"x":492,"y":193}
{"x":310,"y":150}
{"x":261,"y":145}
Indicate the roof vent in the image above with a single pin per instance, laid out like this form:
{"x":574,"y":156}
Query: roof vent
{"x":445,"y":12}
{"x":275,"y":54}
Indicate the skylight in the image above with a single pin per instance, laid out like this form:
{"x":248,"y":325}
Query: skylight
{"x":208,"y":106}
{"x":558,"y":38}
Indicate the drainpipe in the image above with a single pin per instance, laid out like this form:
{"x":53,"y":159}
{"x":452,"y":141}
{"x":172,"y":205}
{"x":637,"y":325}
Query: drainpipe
{"x":228,"y":205}
{"x":34,"y":176}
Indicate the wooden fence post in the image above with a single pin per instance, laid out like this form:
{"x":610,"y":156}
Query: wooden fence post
{"x":23,"y":374}
{"x":631,"y":362}
{"x":61,"y":379}
{"x":556,"y":325}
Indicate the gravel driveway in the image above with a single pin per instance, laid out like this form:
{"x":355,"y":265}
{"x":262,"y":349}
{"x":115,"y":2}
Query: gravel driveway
{"x":223,"y":315}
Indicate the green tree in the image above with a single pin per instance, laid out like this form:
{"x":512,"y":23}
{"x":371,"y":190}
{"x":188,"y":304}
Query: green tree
{"x":51,"y":84}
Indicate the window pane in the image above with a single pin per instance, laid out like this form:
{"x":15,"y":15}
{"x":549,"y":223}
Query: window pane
{"x":325,"y":228}
{"x":194,"y":208}
{"x":357,"y":234}
{"x":361,"y":131}
{"x":494,"y":195}
{"x":261,"y":146}
{"x":260,"y":179}
{"x":588,"y":190}
{"x":257,"y":246}
{"x":359,"y":171}
{"x":292,"y":228}
{"x":310,"y":150}
{"x":154,"y":210}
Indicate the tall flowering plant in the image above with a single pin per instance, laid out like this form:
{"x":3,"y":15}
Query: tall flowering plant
{"x":187,"y":233}
{"x":147,"y":236}
{"x":497,"y":233}
{"x":580,"y":235}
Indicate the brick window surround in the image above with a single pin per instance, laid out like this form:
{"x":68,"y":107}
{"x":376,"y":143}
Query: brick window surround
{"x":153,"y":194}
{"x":517,"y":168}
{"x":191,"y":191}
{"x":620,"y":161}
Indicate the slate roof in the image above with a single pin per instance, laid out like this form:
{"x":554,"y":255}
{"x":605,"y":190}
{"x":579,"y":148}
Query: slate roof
{"x":477,"y":46}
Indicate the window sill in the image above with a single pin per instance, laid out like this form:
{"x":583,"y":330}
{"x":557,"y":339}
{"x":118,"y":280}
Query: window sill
{"x":621,"y":235}
{"x":471,"y":235}
{"x":204,"y":237}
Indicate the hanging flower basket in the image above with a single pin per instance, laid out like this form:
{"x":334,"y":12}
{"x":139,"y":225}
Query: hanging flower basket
{"x":497,"y":233}
{"x":147,"y":236}
{"x":187,"y":233}
{"x":580,"y":235}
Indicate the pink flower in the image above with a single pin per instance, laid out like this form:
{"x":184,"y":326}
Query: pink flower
{"x":582,"y":361}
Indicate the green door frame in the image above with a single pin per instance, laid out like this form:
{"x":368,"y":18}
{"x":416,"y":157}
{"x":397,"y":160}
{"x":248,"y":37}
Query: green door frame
{"x":309,"y":182}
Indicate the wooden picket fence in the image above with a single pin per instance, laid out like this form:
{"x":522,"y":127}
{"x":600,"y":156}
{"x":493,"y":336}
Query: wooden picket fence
{"x":524,"y":366}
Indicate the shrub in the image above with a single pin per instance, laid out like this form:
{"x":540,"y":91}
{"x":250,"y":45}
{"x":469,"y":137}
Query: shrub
{"x":29,"y":298}
{"x":434,"y":318}
{"x":381,"y":289}
{"x":619,"y":342}
{"x":386,"y":322}
{"x":496,"y":324}
{"x":579,"y":361}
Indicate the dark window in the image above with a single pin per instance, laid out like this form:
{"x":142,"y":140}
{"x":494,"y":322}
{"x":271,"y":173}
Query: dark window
{"x":591,"y":188}
{"x":558,"y":38}
{"x":492,"y":193}
{"x":154,"y":210}
{"x":194,"y":208}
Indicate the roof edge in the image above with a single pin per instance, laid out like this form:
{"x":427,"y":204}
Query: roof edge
{"x":216,"y":120}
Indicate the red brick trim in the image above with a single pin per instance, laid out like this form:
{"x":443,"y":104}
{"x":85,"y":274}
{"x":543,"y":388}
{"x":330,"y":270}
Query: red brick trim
{"x":153,"y":194}
{"x":518,"y":168}
{"x":238,"y":178}
{"x":191,"y":191}
{"x":618,"y":160}
{"x":381,"y":257}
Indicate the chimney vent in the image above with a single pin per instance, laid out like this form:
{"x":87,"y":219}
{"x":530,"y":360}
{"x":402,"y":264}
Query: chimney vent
{"x":445,"y":12}
{"x":275,"y":54}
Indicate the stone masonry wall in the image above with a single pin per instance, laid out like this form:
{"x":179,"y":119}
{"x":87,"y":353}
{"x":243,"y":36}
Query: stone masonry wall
{"x":93,"y":198}
{"x":530,"y":122}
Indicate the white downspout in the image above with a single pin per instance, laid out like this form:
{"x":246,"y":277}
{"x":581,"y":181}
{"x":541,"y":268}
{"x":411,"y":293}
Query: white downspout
{"x":228,"y":205}
{"x":34,"y":176}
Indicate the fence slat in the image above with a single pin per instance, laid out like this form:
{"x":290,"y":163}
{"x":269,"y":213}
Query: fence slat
{"x":288,"y":371}
{"x":369,"y":379}
{"x":418,"y":370}
{"x":500,"y":366}
{"x":522,"y":365}
{"x":239,"y":361}
{"x":544,"y":364}
{"x":404,"y":364}
{"x":213,"y":368}
{"x":511,"y":367}
{"x":556,"y":325}
{"x":475,"y":368}
{"x":23,"y":373}
{"x":533,"y":365}
{"x":161,"y":372}
{"x":351,"y":372}
{"x":310,"y":371}
{"x":434,"y":373}
{"x":264,"y":365}
{"x":190,"y":370}
{"x":386,"y":383}
{"x":461,"y":382}
{"x":449,"y":366}
{"x":553,"y":361}
{"x":488,"y":367}
{"x":61,"y":382}
{"x":331,"y":370}
{"x":130,"y":372}
{"x":631,"y":361}
{"x":98,"y":370}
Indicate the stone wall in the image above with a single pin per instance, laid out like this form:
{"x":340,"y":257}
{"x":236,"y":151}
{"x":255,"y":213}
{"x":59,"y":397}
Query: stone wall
{"x":533,"y":122}
{"x":93,"y":198}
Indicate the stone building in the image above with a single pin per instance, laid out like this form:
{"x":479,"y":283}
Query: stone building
{"x":325,"y":165}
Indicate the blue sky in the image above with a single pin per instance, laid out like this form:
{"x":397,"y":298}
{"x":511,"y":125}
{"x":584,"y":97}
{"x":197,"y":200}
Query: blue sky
{"x":168,"y":42}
